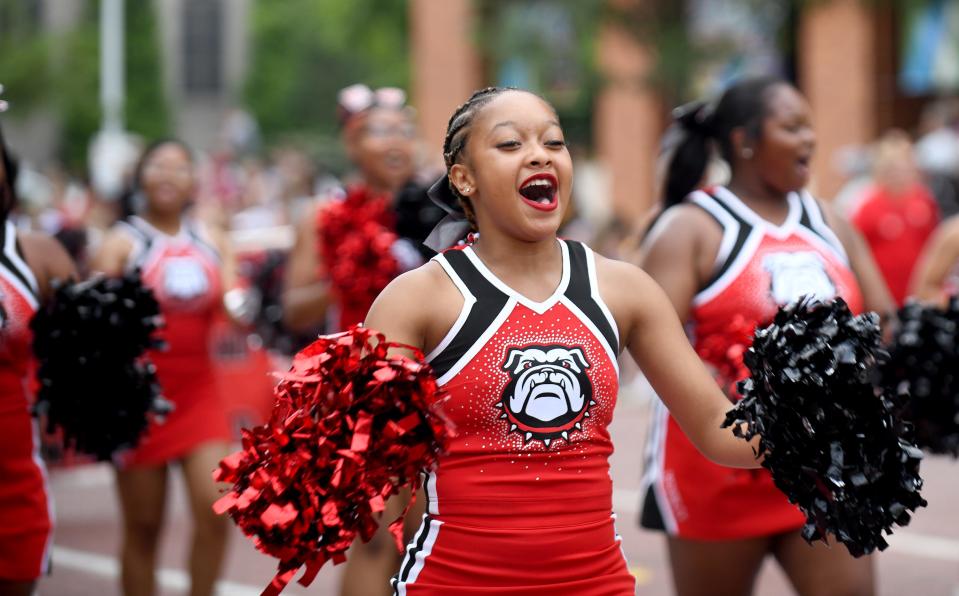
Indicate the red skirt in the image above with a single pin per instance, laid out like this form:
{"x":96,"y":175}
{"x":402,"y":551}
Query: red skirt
{"x":496,"y":555}
{"x":26,"y":528}
{"x":198,"y":417}
{"x":689,"y":496}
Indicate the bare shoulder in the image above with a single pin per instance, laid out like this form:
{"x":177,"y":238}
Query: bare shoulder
{"x":627,"y":290}
{"x":619,"y":279}
{"x":112,"y":254}
{"x":47,"y":259}
{"x":117,"y":239}
{"x":419,"y":307}
{"x":422,"y":282}
{"x":681,"y":224}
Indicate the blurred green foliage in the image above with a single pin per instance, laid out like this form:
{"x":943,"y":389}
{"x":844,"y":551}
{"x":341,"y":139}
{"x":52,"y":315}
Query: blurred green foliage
{"x":547,"y":46}
{"x":305,"y":51}
{"x":62,"y":73}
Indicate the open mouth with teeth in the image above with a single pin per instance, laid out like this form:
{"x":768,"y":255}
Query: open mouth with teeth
{"x":539,"y":191}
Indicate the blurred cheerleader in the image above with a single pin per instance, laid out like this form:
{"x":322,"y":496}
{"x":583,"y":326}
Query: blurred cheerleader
{"x":29,"y":263}
{"x":187,"y":269}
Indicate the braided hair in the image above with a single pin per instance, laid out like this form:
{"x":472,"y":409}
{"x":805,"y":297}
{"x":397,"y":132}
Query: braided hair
{"x":457,"y":134}
{"x":743,"y":105}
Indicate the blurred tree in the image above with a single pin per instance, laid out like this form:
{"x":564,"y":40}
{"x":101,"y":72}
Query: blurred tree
{"x":77,"y":85}
{"x":547,"y":46}
{"x":24,"y":55}
{"x":305,"y":51}
{"x":63,"y":74}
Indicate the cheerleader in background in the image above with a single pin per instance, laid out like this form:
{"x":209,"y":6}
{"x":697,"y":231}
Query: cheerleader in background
{"x":727,"y":257}
{"x":379,"y":137}
{"x":187,"y":269}
{"x":28,"y":264}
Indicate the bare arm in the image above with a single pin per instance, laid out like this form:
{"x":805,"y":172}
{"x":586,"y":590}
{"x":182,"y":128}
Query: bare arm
{"x":48,"y":260}
{"x":679,"y":254}
{"x":874,"y":291}
{"x":938,"y":258}
{"x":112,"y":255}
{"x":656,"y":341}
{"x":305,"y":295}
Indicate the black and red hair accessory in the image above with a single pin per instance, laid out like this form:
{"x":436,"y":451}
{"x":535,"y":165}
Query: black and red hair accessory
{"x":455,"y":225}
{"x":833,"y":443}
{"x":351,"y":425}
{"x":696,"y":116}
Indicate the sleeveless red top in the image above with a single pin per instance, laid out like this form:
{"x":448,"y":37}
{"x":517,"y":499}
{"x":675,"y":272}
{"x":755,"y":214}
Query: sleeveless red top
{"x":522,"y":502}
{"x":184,"y":273}
{"x":759,"y":267}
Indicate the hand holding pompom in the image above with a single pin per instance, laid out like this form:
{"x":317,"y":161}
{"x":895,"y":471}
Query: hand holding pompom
{"x":351,"y":425}
{"x":832,"y":442}
{"x":95,"y":384}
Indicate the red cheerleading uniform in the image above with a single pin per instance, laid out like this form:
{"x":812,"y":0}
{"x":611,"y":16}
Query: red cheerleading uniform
{"x":184,"y":273}
{"x":522,"y":502}
{"x":25,"y":508}
{"x":759,"y":267}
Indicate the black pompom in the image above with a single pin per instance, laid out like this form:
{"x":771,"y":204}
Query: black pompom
{"x":833,"y":443}
{"x":923,"y":368}
{"x":95,"y":383}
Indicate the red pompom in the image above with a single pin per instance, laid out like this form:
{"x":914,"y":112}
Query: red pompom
{"x":351,"y":425}
{"x":722,"y":347}
{"x":355,"y":243}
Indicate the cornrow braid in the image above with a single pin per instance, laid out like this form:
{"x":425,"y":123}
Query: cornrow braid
{"x":457,"y":133}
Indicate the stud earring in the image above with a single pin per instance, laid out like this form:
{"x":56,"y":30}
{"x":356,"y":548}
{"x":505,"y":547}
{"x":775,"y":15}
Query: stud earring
{"x":747,"y":153}
{"x":467,"y":189}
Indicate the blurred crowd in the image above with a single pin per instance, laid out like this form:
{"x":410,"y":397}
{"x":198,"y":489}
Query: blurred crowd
{"x":902,"y":194}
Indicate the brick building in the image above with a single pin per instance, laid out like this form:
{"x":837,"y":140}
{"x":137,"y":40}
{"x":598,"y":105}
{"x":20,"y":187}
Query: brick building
{"x":846,"y":58}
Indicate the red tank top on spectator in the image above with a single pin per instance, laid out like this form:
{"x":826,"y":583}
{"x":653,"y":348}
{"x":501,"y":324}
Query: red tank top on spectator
{"x":184,"y":273}
{"x":759,"y":267}
{"x":896,"y":229}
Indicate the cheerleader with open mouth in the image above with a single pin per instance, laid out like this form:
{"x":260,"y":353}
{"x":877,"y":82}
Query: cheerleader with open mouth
{"x":727,"y":258}
{"x":523,"y":331}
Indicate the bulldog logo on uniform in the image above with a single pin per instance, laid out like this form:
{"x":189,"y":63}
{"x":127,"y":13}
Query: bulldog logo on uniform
{"x":797,"y":274}
{"x":549,"y":393}
{"x":184,"y":278}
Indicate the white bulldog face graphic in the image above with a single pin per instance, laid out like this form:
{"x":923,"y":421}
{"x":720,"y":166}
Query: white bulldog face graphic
{"x":797,"y":274}
{"x":184,"y":278}
{"x":549,"y":392}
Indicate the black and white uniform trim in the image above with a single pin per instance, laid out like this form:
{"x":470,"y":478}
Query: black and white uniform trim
{"x":743,"y":230}
{"x":145,"y":245}
{"x":421,"y":546}
{"x":488,"y":302}
{"x":14,"y":267}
